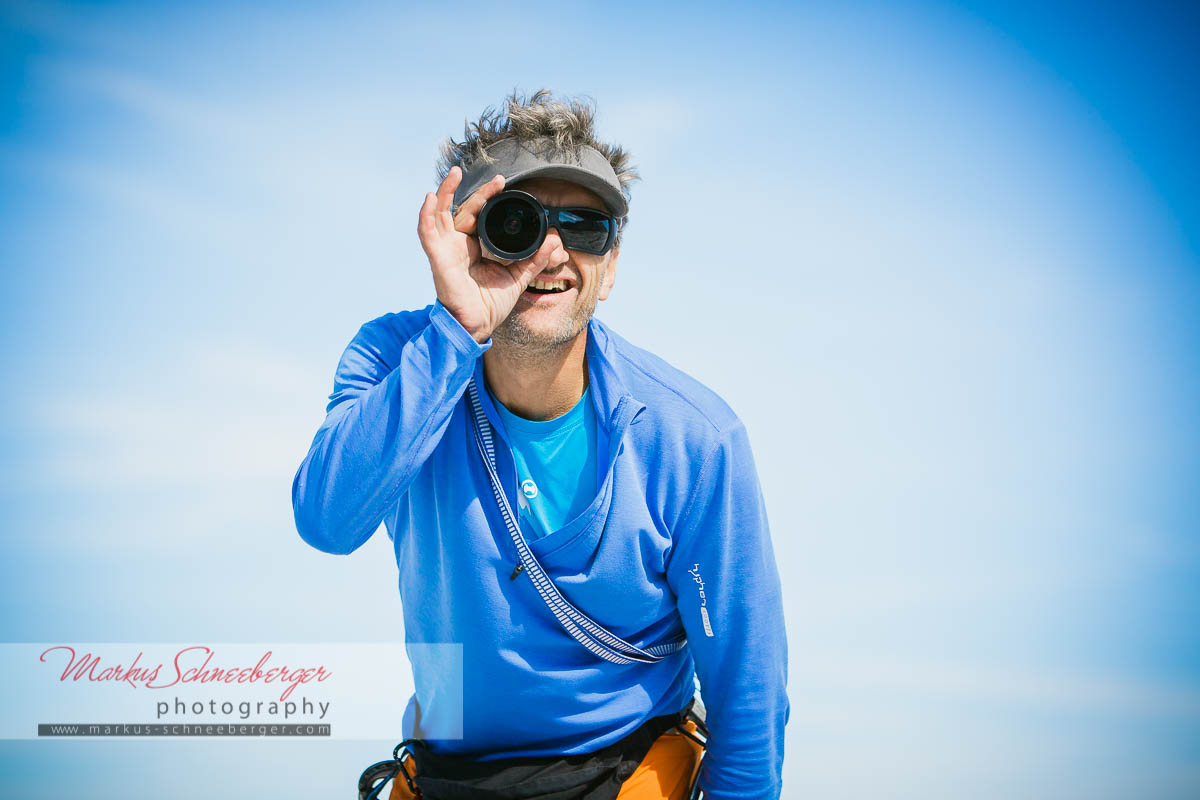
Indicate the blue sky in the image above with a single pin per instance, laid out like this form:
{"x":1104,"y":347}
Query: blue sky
{"x":954,"y":296}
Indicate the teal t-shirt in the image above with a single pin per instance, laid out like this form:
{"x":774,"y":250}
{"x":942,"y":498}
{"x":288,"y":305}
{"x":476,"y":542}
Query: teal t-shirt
{"x":556,"y":465}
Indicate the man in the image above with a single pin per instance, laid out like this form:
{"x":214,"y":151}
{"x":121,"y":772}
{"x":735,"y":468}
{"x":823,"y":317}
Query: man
{"x":629,"y":486}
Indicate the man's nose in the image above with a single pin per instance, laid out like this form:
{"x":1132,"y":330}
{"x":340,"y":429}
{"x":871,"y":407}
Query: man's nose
{"x":556,"y":247}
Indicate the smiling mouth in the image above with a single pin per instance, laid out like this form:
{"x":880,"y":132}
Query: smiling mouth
{"x":547,"y":287}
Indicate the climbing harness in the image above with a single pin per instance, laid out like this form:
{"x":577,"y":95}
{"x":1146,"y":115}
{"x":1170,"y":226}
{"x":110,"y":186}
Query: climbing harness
{"x":582,"y":776}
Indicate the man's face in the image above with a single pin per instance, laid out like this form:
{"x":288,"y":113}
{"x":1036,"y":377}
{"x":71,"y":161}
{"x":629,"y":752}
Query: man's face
{"x":544,"y":321}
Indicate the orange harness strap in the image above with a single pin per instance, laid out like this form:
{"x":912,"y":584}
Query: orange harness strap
{"x":666,"y":773}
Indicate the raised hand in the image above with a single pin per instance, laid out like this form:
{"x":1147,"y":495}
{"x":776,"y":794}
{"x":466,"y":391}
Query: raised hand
{"x":476,"y":287}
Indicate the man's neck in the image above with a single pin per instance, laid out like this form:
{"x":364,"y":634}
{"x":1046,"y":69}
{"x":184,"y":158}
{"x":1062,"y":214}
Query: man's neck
{"x":538,"y":385}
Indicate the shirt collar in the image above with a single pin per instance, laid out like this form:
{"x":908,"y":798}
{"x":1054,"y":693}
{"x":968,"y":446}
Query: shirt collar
{"x":605,"y":381}
{"x":606,"y":375}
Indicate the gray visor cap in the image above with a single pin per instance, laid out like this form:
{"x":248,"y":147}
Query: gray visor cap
{"x":517,"y":161}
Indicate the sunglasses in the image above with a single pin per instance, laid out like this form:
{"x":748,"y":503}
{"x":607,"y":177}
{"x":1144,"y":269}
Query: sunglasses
{"x":513,"y":225}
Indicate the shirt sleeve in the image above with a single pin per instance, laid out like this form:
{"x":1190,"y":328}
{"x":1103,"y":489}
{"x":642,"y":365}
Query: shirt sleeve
{"x":392,"y":401}
{"x":722,"y":571}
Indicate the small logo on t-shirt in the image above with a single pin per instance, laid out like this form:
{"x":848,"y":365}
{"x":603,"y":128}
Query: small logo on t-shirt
{"x":529,"y":488}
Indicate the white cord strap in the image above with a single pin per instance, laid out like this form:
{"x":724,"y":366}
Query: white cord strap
{"x":589,"y":633}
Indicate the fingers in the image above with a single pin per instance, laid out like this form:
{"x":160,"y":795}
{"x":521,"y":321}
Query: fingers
{"x":426,"y":222}
{"x":474,"y":250}
{"x":550,"y":254}
{"x":445,"y":197}
{"x":488,"y":254}
{"x":468,"y":212}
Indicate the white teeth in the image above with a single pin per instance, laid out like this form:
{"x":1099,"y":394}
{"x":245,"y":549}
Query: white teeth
{"x":549,"y":284}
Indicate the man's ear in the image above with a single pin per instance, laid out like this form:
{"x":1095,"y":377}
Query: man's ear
{"x":610,"y":274}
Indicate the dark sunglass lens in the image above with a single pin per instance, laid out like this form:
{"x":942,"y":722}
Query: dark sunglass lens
{"x":512,"y":226}
{"x":583,"y":229}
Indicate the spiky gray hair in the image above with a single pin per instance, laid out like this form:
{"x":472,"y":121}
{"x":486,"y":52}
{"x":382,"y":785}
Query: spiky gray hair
{"x":567,"y":124}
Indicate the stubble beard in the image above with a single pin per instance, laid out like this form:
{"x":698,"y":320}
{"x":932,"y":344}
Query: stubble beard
{"x":515,"y":333}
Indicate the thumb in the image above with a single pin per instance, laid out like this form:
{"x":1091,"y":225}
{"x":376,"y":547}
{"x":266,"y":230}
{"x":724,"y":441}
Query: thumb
{"x":525,"y":271}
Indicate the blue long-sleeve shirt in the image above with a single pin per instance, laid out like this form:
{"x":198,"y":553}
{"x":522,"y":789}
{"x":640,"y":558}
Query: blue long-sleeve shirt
{"x":675,"y":541}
